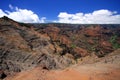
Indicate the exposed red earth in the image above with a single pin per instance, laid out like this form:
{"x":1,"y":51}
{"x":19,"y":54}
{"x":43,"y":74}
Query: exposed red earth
{"x":59,"y":51}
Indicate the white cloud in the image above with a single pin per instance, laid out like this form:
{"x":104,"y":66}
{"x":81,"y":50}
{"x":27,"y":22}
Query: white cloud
{"x":11,"y":7}
{"x":43,"y":19}
{"x":2,"y":13}
{"x":96,"y":17}
{"x":22,"y":15}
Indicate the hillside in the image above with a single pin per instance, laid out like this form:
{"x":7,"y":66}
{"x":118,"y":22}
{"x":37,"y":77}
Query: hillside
{"x":106,"y":68}
{"x":26,"y":48}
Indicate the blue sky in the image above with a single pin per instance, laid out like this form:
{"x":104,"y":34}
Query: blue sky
{"x":63,"y":10}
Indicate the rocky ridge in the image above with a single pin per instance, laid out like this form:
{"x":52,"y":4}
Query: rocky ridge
{"x":22,"y":48}
{"x":52,"y":46}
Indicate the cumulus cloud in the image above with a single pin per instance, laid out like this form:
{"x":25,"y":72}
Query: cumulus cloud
{"x":10,"y":6}
{"x":2,"y":13}
{"x":96,"y":17}
{"x":22,"y":15}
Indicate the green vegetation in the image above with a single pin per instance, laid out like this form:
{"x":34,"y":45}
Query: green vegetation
{"x":113,"y":40}
{"x":93,"y":48}
{"x":73,"y":46}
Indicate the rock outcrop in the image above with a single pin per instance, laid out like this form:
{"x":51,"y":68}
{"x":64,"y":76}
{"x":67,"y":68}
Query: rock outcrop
{"x":52,"y":46}
{"x":22,"y":48}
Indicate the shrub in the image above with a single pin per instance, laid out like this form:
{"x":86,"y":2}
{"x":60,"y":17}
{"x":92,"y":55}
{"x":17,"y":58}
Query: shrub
{"x":113,"y":41}
{"x":73,"y":46}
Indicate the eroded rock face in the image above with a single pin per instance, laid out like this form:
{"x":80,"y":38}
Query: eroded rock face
{"x":51,"y":46}
{"x":22,"y":48}
{"x":93,"y":31}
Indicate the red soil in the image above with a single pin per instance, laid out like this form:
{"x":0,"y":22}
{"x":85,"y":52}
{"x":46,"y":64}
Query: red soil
{"x":79,"y":72}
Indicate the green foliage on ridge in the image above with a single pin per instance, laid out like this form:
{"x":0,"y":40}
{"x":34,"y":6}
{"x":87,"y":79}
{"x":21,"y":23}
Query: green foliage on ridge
{"x":113,"y":40}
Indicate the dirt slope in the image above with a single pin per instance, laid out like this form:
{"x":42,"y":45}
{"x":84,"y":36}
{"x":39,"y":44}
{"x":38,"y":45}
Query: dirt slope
{"x":84,"y":72}
{"x":109,"y":70}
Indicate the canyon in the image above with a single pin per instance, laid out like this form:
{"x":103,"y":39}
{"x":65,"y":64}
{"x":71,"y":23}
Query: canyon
{"x":56,"y":51}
